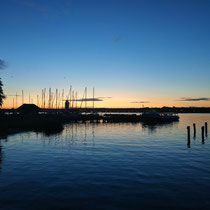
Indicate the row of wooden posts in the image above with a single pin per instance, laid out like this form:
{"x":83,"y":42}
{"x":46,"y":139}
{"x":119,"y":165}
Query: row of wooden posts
{"x":204,"y":132}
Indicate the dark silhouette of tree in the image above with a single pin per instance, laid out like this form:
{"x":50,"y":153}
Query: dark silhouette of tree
{"x":2,"y":96}
{"x":3,"y":65}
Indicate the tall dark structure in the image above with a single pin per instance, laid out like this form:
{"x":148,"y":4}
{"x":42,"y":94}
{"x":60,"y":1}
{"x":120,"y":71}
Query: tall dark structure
{"x":2,"y":96}
{"x":66,"y":105}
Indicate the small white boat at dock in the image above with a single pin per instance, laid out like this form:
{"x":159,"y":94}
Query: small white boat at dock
{"x":159,"y":117}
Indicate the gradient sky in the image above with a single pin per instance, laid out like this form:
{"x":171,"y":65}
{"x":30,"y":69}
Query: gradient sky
{"x":157,"y":51}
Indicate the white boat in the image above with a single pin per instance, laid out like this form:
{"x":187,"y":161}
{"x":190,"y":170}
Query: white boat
{"x":159,"y":117}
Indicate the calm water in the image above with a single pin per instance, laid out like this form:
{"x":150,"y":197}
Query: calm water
{"x":107,"y":166}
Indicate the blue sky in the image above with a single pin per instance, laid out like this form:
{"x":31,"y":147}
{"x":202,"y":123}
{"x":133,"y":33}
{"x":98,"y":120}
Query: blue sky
{"x":131,"y":50}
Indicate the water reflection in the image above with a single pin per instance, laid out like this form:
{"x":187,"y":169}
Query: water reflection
{"x":86,"y":133}
{"x":51,"y":133}
{"x":154,"y":127}
{"x":71,"y":135}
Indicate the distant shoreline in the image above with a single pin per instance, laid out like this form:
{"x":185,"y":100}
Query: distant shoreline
{"x":177,"y":110}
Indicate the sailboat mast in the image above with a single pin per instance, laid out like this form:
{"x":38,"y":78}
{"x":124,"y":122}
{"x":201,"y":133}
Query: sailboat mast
{"x":86,"y":98}
{"x":70,"y":97}
{"x":93,"y":97}
{"x":22,"y":97}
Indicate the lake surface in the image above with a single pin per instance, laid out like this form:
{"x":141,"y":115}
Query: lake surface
{"x":107,"y":166}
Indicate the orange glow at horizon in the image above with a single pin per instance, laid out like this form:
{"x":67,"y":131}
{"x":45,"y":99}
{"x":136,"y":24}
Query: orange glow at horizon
{"x":121,"y":102}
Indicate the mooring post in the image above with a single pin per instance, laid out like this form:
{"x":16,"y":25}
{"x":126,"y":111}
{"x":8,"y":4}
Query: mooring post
{"x":188,"y":136}
{"x":194,"y":128}
{"x":206,"y":128}
{"x":202,"y":134}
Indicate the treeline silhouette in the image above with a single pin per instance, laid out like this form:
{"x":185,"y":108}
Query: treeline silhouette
{"x":133,"y":110}
{"x":162,"y":109}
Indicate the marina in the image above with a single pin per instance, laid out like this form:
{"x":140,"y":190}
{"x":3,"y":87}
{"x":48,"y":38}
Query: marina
{"x":30,"y":117}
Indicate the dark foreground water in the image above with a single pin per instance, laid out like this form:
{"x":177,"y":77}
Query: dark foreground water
{"x":107,"y":166}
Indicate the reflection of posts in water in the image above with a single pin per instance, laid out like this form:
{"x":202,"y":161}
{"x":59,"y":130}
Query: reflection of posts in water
{"x":72,"y":131}
{"x":188,"y":136}
{"x":194,"y":129}
{"x":93,"y":131}
{"x":202,"y":134}
{"x":76,"y":130}
{"x":206,"y":128}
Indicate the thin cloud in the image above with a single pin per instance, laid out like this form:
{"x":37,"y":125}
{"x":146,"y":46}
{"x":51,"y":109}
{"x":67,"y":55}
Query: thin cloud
{"x":35,"y":6}
{"x":105,"y":97}
{"x":53,"y":9}
{"x":66,"y":7}
{"x":3,"y":64}
{"x":118,"y":39}
{"x":194,"y":99}
{"x":89,"y":99}
{"x":28,"y":3}
{"x":140,"y":102}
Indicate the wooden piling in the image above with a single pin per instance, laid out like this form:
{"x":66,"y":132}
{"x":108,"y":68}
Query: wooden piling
{"x":206,"y":128}
{"x":194,"y":128}
{"x":188,"y":136}
{"x":202,"y":134}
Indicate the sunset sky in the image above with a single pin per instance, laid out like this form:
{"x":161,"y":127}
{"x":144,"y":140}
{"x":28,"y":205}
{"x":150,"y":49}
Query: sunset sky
{"x":134,"y":52}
